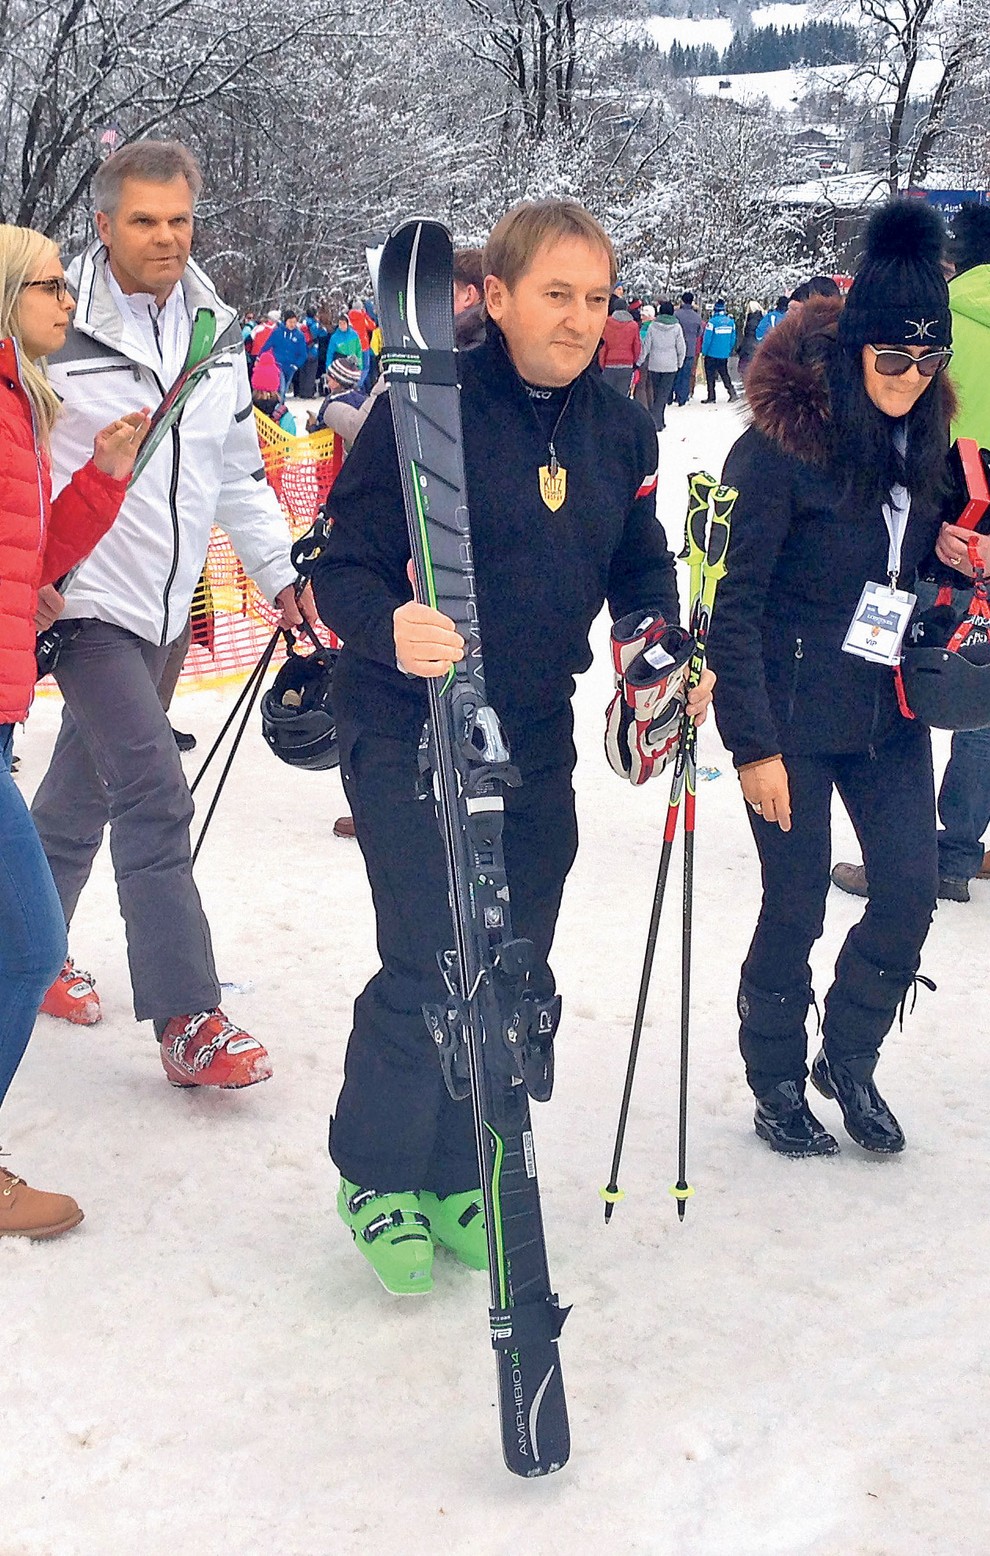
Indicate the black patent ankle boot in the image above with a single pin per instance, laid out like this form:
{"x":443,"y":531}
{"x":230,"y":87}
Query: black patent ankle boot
{"x":784,"y":1120}
{"x":866,"y":1116}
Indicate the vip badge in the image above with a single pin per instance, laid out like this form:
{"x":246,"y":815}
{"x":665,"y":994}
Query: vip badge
{"x":553,"y":486}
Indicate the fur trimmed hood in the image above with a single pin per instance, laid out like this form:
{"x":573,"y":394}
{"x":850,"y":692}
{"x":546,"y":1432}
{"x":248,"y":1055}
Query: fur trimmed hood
{"x":786,"y":385}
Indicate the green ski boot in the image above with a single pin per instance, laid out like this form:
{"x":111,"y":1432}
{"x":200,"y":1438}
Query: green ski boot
{"x":393,"y":1234}
{"x":458,"y":1223}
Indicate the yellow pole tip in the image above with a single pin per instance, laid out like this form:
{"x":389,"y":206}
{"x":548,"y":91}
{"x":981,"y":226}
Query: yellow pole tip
{"x":684,"y":1193}
{"x":612,"y":1196}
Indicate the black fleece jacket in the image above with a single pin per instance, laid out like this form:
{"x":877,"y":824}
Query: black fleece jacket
{"x":542,"y":577}
{"x":800,"y":553}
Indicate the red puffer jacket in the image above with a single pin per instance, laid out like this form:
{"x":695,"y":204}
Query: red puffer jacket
{"x":620,"y":340}
{"x":39,"y":539}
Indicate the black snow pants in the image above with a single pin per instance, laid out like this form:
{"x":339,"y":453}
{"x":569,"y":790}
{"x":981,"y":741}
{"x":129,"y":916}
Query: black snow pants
{"x":396,"y":1128}
{"x":890,"y":798}
{"x":718,"y":366}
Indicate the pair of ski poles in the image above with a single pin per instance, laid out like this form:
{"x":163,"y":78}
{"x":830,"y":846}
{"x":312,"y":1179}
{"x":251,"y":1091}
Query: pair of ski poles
{"x":249,"y":694}
{"x":706,"y":540}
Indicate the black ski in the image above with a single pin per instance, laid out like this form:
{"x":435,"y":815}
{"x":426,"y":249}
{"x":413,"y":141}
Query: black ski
{"x":494,"y":1034}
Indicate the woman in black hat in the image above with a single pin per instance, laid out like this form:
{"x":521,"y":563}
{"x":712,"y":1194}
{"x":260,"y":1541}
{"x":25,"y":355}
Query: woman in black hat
{"x":839,"y":482}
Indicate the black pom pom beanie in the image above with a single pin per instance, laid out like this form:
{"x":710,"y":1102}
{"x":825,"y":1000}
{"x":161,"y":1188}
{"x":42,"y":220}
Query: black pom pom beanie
{"x":900,"y":296}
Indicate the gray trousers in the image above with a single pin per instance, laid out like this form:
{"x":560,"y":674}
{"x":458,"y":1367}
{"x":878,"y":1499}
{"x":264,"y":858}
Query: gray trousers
{"x":115,"y":761}
{"x":169,"y":678}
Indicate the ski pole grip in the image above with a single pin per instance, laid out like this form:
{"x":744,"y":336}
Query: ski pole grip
{"x":723,"y":502}
{"x":700,"y":487}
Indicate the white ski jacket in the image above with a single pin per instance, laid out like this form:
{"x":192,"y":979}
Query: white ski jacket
{"x":207,"y":471}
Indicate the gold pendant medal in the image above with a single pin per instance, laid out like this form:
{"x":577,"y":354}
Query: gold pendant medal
{"x":553,"y":485}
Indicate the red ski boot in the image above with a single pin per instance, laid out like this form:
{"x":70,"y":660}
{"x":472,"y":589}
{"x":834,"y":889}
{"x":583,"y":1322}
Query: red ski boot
{"x":73,"y":997}
{"x":208,"y":1050}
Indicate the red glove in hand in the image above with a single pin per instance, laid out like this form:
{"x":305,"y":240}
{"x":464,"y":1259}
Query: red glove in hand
{"x":643,"y":722}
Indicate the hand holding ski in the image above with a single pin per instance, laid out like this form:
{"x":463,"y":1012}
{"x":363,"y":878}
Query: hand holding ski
{"x":426,"y":641}
{"x":115,"y":448}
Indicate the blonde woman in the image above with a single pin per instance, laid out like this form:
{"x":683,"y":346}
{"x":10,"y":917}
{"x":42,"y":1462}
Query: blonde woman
{"x":39,"y":541}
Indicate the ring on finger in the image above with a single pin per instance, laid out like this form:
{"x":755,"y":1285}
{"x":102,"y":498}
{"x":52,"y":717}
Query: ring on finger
{"x":757,"y":807}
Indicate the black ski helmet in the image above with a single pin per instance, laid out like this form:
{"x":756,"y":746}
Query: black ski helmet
{"x":946,"y":689}
{"x":945,"y":669}
{"x":297,"y":718}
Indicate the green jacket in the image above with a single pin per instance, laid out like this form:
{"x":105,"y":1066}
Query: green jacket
{"x":969,"y":299}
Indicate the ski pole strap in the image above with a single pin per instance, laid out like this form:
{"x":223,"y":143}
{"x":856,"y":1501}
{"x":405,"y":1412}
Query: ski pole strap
{"x":528,"y":1323}
{"x":431,"y":367}
{"x":700,"y":487}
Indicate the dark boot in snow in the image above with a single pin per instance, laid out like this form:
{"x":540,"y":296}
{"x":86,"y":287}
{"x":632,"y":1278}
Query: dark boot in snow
{"x":859,"y":1011}
{"x":867,"y":1117}
{"x":784,"y":1120}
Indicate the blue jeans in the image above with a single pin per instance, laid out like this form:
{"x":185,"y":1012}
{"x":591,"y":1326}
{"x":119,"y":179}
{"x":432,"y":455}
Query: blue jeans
{"x":682,"y":383}
{"x":964,"y":805}
{"x":32,"y":925}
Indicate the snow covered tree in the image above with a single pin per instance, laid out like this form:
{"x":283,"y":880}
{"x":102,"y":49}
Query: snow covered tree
{"x":903,"y":39}
{"x":77,"y":76}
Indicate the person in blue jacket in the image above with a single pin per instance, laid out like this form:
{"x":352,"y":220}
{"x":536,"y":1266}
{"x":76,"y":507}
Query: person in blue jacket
{"x":717,"y":345}
{"x":314,"y":333}
{"x":773,"y":316}
{"x":287,"y":344}
{"x":345,"y":341}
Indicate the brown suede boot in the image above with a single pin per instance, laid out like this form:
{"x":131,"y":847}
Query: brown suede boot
{"x":26,"y":1212}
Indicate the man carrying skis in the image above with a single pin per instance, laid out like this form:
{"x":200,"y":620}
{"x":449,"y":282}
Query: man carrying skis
{"x":562,"y":479}
{"x":115,"y":760}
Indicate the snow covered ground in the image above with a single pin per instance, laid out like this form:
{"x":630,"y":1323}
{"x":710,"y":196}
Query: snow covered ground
{"x":208,"y":1367}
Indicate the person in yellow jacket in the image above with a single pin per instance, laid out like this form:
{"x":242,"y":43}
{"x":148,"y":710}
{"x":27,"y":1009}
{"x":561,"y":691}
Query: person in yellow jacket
{"x":964,"y":798}
{"x":969,"y":299}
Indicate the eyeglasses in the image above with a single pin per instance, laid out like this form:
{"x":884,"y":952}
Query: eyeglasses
{"x":56,"y":286}
{"x":891,"y":363}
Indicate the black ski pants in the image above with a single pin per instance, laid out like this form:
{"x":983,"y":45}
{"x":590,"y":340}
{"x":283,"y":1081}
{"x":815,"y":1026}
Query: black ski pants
{"x":720,"y":367}
{"x":396,"y":1128}
{"x":662,"y":383}
{"x":890,"y":798}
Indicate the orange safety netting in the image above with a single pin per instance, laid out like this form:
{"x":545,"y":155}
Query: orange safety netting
{"x":231,"y":620}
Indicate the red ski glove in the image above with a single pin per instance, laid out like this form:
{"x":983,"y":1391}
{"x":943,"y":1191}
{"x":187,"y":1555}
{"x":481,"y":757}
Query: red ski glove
{"x":644,"y":717}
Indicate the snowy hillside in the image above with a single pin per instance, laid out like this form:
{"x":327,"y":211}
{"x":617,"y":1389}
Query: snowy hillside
{"x":207,"y":1368}
{"x":717,"y":30}
{"x":783,"y":89}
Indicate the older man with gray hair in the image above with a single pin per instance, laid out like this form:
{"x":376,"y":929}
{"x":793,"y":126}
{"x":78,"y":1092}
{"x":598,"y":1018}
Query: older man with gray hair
{"x":115,"y":761}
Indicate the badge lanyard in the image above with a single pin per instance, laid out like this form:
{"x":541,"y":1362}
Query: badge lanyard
{"x":895,"y":516}
{"x":881,"y":618}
